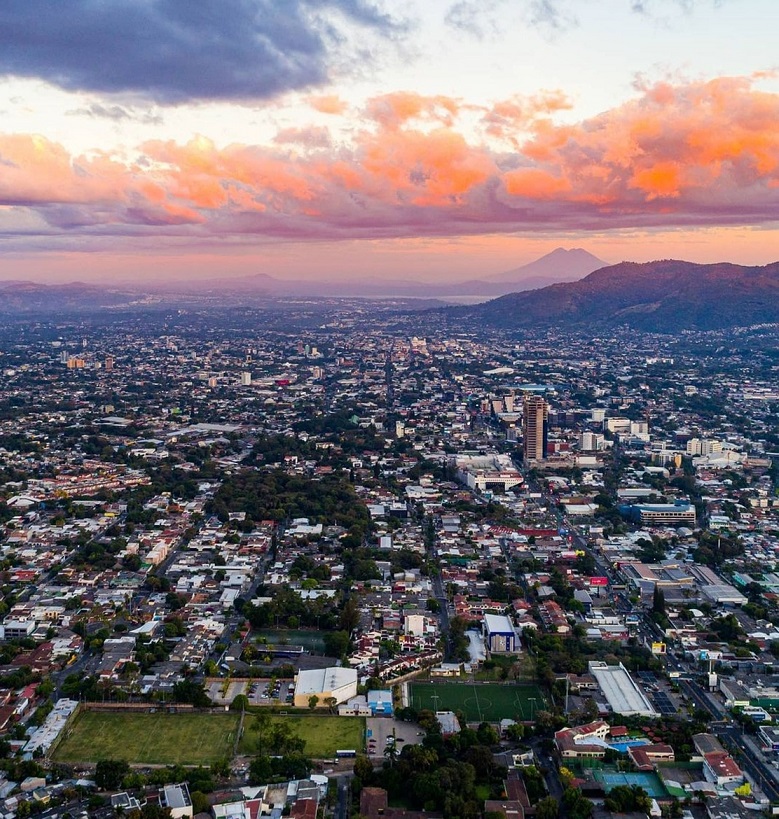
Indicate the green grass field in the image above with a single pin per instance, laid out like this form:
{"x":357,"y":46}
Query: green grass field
{"x":143,"y":738}
{"x":323,"y":735}
{"x":481,"y":701}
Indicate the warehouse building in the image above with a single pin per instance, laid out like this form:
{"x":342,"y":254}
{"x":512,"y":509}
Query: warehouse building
{"x":620,"y":689}
{"x":324,"y":683}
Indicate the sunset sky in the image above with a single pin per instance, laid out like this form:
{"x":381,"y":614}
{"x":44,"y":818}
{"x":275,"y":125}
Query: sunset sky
{"x":427,"y":139}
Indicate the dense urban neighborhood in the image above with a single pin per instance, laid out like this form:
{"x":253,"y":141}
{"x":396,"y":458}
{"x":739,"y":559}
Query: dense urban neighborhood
{"x":341,"y":560}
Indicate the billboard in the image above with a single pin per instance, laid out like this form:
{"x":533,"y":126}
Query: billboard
{"x":658,"y":648}
{"x":599,"y":581}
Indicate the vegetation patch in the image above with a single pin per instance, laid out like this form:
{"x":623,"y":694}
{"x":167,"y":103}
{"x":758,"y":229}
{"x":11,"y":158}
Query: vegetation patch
{"x":146,"y":738}
{"x":322,"y":735}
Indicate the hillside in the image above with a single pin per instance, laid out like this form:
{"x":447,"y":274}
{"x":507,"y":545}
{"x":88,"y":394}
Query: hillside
{"x":664,"y":296}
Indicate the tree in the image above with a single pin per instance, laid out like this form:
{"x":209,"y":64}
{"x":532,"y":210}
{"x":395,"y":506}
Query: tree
{"x":150,"y":811}
{"x":240,"y":703}
{"x":363,"y":768}
{"x":109,"y":773}
{"x":313,"y":701}
{"x":628,"y":799}
{"x":191,"y":692}
{"x":336,"y":643}
{"x":260,"y":770}
{"x":658,"y":601}
{"x":577,"y":806}
{"x":547,"y":808}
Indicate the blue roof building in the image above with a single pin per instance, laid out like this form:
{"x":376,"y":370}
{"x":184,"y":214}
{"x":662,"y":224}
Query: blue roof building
{"x":380,"y":703}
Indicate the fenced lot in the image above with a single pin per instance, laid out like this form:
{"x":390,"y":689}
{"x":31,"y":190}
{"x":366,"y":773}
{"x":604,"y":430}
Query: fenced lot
{"x":479,"y":702}
{"x":146,"y":738}
{"x":323,"y":735}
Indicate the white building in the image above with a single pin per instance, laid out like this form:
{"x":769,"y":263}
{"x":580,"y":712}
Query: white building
{"x":339,"y":683}
{"x":591,"y":442}
{"x":484,"y":472}
{"x":621,"y":691}
{"x":703,"y":446}
{"x":177,"y":800}
{"x":415,"y":625}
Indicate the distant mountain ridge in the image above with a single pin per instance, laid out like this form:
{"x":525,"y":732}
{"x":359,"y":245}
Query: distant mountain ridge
{"x":662,"y":296}
{"x":559,"y":265}
{"x":25,"y":296}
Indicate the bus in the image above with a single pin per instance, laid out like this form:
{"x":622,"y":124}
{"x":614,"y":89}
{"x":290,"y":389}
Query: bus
{"x":346,"y":754}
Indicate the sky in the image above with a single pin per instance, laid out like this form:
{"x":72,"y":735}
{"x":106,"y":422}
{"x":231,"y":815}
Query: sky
{"x":408,"y":139}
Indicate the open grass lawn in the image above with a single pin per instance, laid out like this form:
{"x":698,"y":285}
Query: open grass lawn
{"x":143,"y":738}
{"x":480,"y":701}
{"x":323,"y":735}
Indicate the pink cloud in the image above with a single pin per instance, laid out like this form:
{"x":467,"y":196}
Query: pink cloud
{"x":695,"y":154}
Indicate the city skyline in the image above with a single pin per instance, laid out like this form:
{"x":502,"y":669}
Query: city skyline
{"x":348,"y":139}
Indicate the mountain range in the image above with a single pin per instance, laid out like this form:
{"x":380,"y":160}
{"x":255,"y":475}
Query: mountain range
{"x":558,"y":266}
{"x":663,"y":296}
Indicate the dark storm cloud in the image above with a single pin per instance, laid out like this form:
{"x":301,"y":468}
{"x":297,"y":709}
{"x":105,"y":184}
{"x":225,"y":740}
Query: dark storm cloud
{"x":178,"y":50}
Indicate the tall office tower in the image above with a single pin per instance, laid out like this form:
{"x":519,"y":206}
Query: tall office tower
{"x":109,"y":362}
{"x":535,"y":427}
{"x":246,"y":379}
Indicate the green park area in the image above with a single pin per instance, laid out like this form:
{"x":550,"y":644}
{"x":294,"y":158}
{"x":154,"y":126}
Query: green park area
{"x":194,"y":738}
{"x":146,"y":738}
{"x":323,"y":735}
{"x":479,"y":702}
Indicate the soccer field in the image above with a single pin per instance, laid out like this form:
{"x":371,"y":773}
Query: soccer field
{"x":480,"y":702}
{"x":144,"y":738}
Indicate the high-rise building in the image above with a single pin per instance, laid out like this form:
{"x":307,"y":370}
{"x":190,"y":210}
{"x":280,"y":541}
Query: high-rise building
{"x":246,"y":379}
{"x":535,"y":427}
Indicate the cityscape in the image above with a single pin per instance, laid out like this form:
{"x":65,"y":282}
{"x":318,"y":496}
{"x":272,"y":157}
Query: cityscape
{"x":389,"y":409}
{"x":548,"y":557}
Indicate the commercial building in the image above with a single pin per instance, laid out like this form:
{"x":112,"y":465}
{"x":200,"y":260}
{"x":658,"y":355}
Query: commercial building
{"x":489,"y":472}
{"x":591,"y":442}
{"x":703,"y":446}
{"x":770,"y":737}
{"x":535,"y":427}
{"x":620,"y":689}
{"x":500,"y":634}
{"x":720,"y":767}
{"x":676,"y":514}
{"x":324,"y":683}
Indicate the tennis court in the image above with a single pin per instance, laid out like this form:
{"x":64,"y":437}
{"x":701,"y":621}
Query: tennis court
{"x":650,"y":782}
{"x":479,"y":702}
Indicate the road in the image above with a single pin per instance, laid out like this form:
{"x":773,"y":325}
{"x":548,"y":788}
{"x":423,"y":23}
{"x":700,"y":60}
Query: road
{"x":438,"y":589}
{"x":750,"y":756}
{"x":731,"y":736}
{"x":342,"y":803}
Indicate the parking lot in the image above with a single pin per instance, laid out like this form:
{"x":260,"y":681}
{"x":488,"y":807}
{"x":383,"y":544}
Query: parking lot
{"x":258,"y":691}
{"x":380,"y":728}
